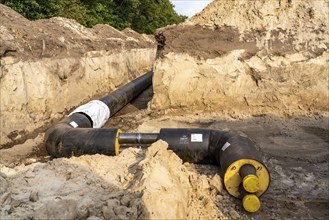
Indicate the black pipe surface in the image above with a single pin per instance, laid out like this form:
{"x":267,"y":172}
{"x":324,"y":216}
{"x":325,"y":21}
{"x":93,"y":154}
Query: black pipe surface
{"x":122,"y":96}
{"x":137,"y":138}
{"x":247,"y":170}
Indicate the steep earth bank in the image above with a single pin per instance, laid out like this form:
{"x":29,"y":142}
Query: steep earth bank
{"x":242,"y":58}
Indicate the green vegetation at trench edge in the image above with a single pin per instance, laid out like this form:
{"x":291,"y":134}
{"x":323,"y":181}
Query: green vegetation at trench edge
{"x":143,"y":16}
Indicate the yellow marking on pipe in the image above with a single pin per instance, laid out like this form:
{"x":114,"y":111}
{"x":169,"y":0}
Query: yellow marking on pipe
{"x":117,"y":144}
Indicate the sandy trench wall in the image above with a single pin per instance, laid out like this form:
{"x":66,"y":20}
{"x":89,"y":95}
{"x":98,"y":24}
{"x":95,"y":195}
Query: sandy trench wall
{"x":234,"y":87}
{"x":35,"y":93}
{"x":272,"y":58}
{"x":50,"y":66}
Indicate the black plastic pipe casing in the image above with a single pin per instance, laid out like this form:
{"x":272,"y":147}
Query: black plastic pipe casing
{"x":122,"y":96}
{"x":54,"y":135}
{"x":235,"y":146}
{"x":82,"y":141}
{"x":230,"y":150}
{"x":74,"y":135}
{"x":191,"y":145}
{"x":210,"y":146}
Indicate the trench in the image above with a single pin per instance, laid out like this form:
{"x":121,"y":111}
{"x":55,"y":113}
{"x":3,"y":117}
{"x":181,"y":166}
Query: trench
{"x":280,"y":141}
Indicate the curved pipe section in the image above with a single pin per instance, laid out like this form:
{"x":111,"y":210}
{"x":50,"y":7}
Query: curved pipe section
{"x":240,"y":161}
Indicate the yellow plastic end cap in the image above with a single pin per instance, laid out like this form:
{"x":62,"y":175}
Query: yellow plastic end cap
{"x":251,"y":183}
{"x":251,"y":203}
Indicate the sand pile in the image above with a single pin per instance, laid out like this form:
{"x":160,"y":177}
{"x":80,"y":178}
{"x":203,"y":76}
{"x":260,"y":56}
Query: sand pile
{"x":50,"y":66}
{"x":241,"y":58}
{"x":136,"y":184}
{"x":299,"y":23}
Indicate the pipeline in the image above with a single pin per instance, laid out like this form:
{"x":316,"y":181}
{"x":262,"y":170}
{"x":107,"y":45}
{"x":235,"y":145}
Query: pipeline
{"x":245,"y":175}
{"x":92,"y":115}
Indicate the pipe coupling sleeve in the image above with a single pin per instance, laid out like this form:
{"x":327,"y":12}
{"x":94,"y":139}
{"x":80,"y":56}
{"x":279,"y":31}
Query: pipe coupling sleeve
{"x":97,"y":110}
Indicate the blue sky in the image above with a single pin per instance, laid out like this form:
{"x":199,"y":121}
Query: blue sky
{"x":189,"y":7}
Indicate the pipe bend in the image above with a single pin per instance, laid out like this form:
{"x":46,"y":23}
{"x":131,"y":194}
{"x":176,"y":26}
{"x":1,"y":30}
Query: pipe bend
{"x":233,"y":150}
{"x":54,"y":135}
{"x":220,"y":141}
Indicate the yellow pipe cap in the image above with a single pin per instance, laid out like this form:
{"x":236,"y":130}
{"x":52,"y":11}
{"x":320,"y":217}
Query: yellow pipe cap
{"x":251,"y":203}
{"x":251,"y":183}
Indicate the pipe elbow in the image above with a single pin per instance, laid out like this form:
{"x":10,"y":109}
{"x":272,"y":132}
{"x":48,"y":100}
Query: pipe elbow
{"x":54,"y":135}
{"x":53,"y":138}
{"x":234,"y":151}
{"x":74,"y":136}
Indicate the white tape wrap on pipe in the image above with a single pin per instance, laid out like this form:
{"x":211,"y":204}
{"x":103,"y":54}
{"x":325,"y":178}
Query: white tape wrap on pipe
{"x":97,"y":110}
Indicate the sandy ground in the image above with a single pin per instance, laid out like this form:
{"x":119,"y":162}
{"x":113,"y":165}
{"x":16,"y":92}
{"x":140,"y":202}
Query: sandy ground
{"x":296,"y":151}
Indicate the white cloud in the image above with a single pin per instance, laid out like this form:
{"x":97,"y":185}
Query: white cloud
{"x":189,"y":7}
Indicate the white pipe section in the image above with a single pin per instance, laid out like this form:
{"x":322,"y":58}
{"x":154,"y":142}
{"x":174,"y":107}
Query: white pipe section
{"x":97,"y":110}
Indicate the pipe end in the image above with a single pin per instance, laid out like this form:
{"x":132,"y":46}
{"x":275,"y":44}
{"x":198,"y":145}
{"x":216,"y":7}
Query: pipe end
{"x":251,"y":203}
{"x":232,"y":179}
{"x":251,"y":183}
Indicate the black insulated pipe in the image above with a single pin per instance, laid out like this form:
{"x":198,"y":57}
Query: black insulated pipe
{"x":71,"y":135}
{"x":122,"y":96}
{"x":237,"y":155}
{"x":191,"y":145}
{"x":234,"y":152}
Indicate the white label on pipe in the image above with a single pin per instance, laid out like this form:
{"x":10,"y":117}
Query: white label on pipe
{"x":97,"y":110}
{"x":226,"y":145}
{"x":196,"y":138}
{"x":74,"y":124}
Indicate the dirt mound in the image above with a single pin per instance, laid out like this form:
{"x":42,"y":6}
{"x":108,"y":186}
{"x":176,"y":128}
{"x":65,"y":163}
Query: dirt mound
{"x":59,"y":37}
{"x":137,"y":184}
{"x":242,"y":58}
{"x":278,"y":27}
{"x":248,"y":15}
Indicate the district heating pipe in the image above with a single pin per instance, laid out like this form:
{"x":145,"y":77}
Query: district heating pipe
{"x":245,"y":175}
{"x":94,"y":115}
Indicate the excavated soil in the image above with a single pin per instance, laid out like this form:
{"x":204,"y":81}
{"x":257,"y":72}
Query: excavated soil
{"x":261,"y":56}
{"x":207,"y":74}
{"x":60,"y":37}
